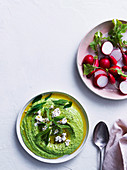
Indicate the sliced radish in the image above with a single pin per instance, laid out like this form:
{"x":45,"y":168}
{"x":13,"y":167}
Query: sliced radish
{"x":113,"y":60}
{"x":116,"y":54}
{"x":99,"y":71}
{"x":100,"y":80}
{"x":107,"y":48}
{"x":123,"y":87}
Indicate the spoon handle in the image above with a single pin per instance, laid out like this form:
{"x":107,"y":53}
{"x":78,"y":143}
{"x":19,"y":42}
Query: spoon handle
{"x":101,"y":155}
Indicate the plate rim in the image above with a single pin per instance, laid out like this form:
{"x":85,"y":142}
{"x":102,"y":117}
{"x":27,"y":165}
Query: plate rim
{"x":78,"y":66}
{"x":46,"y":160}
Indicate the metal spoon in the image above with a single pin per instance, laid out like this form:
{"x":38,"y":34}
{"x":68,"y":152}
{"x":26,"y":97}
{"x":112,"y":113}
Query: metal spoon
{"x":100,"y":138}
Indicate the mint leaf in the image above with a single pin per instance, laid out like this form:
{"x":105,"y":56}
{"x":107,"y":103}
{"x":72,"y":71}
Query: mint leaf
{"x":37,"y":98}
{"x":35,"y":108}
{"x":68,"y":105}
{"x":58,"y":118}
{"x":48,"y":96}
{"x":60,"y":102}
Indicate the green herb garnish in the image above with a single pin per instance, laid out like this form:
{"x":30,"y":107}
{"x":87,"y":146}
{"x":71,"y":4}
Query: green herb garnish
{"x":48,"y":96}
{"x":68,"y":105}
{"x":116,"y":34}
{"x":36,"y":99}
{"x":35,"y":108}
{"x":88,"y":68}
{"x":60,"y":102}
{"x":97,"y":42}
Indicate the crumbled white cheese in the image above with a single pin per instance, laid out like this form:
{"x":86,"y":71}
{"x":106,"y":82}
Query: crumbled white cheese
{"x":64,"y":121}
{"x":44,"y":128}
{"x":63,"y":134}
{"x":63,"y":138}
{"x":36,"y":124}
{"x":67,"y":142}
{"x":51,"y":107}
{"x":56,"y":112}
{"x":46,"y":119}
{"x":56,"y":131}
{"x":58,"y":139}
{"x":39,"y":118}
{"x":58,"y":121}
{"x":39,"y":112}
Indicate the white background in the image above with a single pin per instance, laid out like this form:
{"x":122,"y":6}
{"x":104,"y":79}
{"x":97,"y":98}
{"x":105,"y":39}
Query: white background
{"x":38,"y":45}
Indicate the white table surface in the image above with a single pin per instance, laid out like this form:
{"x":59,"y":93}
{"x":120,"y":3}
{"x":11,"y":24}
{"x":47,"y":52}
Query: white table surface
{"x":38,"y":45}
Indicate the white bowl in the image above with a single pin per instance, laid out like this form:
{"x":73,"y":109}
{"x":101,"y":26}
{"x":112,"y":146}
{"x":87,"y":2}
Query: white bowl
{"x":65,"y":157}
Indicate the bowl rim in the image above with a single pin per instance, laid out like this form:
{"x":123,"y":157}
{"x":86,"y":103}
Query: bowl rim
{"x":46,"y":160}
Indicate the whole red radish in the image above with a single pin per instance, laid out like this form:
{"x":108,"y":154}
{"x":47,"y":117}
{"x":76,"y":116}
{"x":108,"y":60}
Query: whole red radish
{"x":124,"y":59}
{"x":125,"y":52}
{"x":123,"y":87}
{"x":124,"y":68}
{"x":113,"y":60}
{"x":88,"y":59}
{"x":105,"y":63}
{"x":121,"y":78}
{"x":107,"y":47}
{"x":100,"y":81}
{"x":111,"y":78}
{"x":113,"y":71}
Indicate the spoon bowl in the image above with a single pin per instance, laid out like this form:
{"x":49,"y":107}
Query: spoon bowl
{"x":101,"y":138}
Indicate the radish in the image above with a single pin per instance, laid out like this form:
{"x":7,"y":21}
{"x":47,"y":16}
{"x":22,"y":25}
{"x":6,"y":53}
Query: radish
{"x":125,"y":52}
{"x":121,"y":78}
{"x":88,"y":59}
{"x":99,"y":71}
{"x":123,"y":87}
{"x":96,"y":62}
{"x":107,"y":48}
{"x":124,"y":68}
{"x":100,"y":80}
{"x":113,"y":60}
{"x":124,"y":59}
{"x":111,"y":78}
{"x":112,"y":71}
{"x":116,"y":54}
{"x":105,"y":63}
{"x":90,"y":74}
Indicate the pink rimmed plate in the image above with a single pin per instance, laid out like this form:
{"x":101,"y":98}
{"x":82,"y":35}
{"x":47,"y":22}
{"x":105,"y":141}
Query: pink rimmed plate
{"x":110,"y":91}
